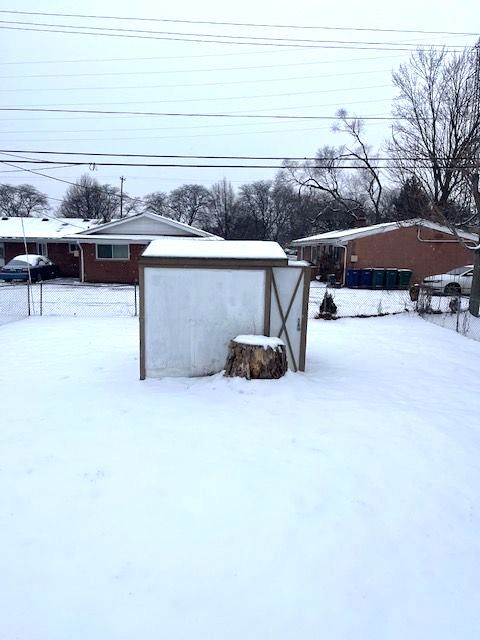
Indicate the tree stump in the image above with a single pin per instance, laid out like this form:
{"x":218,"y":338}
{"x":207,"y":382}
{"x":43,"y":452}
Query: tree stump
{"x":256,"y":357}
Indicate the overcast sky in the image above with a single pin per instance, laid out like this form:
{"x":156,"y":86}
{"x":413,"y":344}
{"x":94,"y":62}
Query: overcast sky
{"x":78,"y":71}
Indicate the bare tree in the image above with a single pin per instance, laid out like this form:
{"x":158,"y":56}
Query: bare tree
{"x":261,"y":210}
{"x":436,"y":137}
{"x":23,"y":200}
{"x":346,"y":175}
{"x":156,"y":202}
{"x":189,"y":203}
{"x":223,"y":209}
{"x":89,"y":199}
{"x":437,"y":123}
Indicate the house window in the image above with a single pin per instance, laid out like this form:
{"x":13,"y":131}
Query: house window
{"x":72,"y":247}
{"x":42,"y":249}
{"x":113,"y":252}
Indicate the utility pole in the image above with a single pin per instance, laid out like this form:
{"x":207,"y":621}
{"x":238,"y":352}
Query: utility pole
{"x":122,"y":180}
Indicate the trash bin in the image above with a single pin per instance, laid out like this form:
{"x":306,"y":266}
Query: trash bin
{"x":391,"y":278}
{"x":353,"y":278}
{"x":366,"y":278}
{"x":404,"y":277}
{"x":378,"y":278}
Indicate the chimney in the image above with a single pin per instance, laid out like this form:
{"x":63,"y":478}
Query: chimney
{"x":361,"y":221}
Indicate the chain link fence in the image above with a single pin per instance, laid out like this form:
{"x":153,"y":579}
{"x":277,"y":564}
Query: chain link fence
{"x":448,"y":310}
{"x":66,"y":299}
{"x":359,"y":303}
{"x":451,"y":311}
{"x":56,"y":298}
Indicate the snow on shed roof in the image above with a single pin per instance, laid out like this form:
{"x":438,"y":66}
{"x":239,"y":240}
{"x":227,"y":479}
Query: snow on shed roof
{"x":215,"y":250}
{"x":42,"y":228}
{"x":342,"y":237}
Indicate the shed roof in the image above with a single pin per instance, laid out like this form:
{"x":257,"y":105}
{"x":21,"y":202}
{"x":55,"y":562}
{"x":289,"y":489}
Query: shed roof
{"x":344,"y":236}
{"x":199,"y":249}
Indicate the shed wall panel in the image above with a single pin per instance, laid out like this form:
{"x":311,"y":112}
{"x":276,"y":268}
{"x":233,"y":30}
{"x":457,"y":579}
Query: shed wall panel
{"x":190,"y":316}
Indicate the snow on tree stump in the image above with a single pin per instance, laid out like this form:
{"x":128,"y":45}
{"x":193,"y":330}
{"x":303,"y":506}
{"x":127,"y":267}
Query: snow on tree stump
{"x":256,"y":357}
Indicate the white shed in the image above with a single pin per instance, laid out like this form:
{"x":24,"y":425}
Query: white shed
{"x":197,"y":295}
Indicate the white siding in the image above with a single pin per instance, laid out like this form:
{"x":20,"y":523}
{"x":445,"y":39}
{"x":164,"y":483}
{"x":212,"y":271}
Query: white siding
{"x":145,"y":226}
{"x":192,"y":314}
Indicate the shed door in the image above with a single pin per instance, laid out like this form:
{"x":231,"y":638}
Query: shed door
{"x":190,"y":316}
{"x":289,"y":311}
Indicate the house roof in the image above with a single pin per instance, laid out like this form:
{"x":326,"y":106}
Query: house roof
{"x":342,"y":237}
{"x":97,"y":230}
{"x":225,"y":250}
{"x":137,"y":238}
{"x":42,"y":228}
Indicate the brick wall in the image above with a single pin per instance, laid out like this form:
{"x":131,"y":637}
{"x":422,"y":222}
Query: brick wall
{"x":58,"y":253}
{"x":115,"y":271}
{"x":400,"y":249}
{"x":68,"y":264}
{"x":13,"y":249}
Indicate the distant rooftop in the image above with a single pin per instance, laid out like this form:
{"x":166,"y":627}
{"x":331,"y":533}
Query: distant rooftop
{"x":344,"y":236}
{"x":42,"y":228}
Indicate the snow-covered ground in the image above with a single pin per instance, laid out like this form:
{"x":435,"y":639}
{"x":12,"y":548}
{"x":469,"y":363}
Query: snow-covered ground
{"x":342,"y":503}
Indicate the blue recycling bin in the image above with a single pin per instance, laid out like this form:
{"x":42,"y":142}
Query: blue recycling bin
{"x":366,"y":278}
{"x":353,"y":278}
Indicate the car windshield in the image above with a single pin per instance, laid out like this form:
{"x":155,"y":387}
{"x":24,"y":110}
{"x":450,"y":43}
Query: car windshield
{"x":18,"y":263}
{"x":458,"y":271}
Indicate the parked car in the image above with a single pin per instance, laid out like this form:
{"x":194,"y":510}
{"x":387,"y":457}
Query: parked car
{"x":39,"y":267}
{"x":456,"y":281}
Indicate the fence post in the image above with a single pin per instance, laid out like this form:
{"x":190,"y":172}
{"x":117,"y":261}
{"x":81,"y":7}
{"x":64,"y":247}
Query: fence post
{"x":41,"y":297}
{"x":135,"y":297}
{"x":28,"y":297}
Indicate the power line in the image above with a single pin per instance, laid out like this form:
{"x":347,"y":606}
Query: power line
{"x":193,"y":71}
{"x":71,"y":31}
{"x":229,"y":37}
{"x":93,"y":165}
{"x":201,"y":55}
{"x":214,"y":69}
{"x":63,"y":166}
{"x":190,"y":115}
{"x":215,"y":99}
{"x":239,"y":24}
{"x":33,"y":161}
{"x":225,"y":98}
{"x":186,"y":156}
{"x":154,"y":128}
{"x":200,"y":135}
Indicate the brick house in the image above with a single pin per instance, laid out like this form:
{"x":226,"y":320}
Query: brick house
{"x":420,"y":245}
{"x":110,"y":252}
{"x":87,"y":250}
{"x":43,"y":236}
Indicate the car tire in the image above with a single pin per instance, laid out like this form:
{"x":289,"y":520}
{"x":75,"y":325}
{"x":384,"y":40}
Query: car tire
{"x":453,"y":289}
